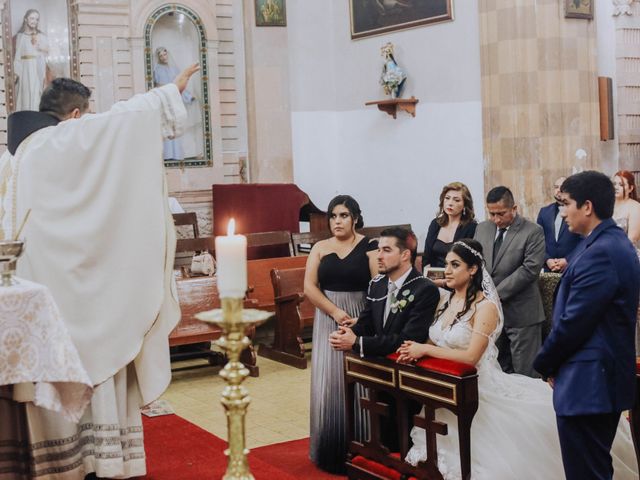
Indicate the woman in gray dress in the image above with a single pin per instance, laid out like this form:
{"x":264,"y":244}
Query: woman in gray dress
{"x":336,"y":279}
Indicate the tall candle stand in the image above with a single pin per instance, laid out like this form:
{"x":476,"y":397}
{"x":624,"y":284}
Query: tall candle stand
{"x":234,"y":321}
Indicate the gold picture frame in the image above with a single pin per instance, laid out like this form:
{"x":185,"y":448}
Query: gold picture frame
{"x":371,"y":17}
{"x":54,"y":47}
{"x":578,"y":9}
{"x":271,"y":13}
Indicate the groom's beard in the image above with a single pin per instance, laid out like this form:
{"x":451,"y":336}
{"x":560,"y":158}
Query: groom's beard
{"x":387,"y":269}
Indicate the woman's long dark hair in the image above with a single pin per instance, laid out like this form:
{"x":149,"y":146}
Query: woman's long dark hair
{"x":475,"y":285}
{"x":467,"y":215}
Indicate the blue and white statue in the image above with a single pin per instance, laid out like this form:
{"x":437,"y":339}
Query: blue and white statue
{"x":392,"y":78}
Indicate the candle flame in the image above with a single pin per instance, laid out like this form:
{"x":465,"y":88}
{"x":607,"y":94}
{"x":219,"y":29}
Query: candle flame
{"x":231,"y":228}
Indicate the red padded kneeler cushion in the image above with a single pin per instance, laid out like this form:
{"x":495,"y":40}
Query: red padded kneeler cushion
{"x":448,"y":367}
{"x":377,"y":468}
{"x":638,"y":368}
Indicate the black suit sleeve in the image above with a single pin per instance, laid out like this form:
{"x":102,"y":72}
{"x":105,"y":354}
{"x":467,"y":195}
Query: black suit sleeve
{"x":540,"y":221}
{"x":415,"y":326}
{"x":364,"y":325}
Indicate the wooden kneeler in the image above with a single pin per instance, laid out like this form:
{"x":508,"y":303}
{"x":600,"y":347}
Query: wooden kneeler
{"x":432,"y":383}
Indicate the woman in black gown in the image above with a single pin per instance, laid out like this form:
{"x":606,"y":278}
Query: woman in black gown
{"x":455,"y":220}
{"x":336,"y":279}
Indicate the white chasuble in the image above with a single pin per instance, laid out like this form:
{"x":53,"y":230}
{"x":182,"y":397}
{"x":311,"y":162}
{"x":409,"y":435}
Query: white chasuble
{"x":100,"y":235}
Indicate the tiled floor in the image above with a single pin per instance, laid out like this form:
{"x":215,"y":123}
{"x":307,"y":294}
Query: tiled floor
{"x":279,"y":409}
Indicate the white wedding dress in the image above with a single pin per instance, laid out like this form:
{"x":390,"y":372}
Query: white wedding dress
{"x":513,"y":434}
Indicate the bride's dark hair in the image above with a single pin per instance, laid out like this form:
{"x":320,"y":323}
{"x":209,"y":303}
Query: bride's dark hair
{"x":470,"y":251}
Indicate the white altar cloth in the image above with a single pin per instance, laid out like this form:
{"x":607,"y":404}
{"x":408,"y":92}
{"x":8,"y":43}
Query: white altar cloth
{"x":36,"y":352}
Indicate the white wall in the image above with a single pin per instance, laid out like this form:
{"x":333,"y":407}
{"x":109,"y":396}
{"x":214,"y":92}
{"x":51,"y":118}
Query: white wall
{"x":394,"y":168}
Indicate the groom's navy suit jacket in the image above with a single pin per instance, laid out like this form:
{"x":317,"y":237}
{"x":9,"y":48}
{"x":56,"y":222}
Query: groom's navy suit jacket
{"x":567,"y":241}
{"x":590,"y":350}
{"x":410,"y":323}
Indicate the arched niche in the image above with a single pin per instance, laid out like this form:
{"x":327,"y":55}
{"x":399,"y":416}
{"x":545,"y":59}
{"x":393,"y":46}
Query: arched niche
{"x":52,"y":49}
{"x":179,"y":31}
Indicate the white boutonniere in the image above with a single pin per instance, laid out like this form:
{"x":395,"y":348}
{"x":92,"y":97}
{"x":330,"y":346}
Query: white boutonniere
{"x":401,"y":302}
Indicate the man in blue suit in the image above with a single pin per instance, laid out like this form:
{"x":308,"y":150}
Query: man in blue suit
{"x":559,"y":242}
{"x":589,"y":355}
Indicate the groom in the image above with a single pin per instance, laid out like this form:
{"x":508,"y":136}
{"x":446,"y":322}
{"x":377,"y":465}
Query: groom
{"x":400,"y":302}
{"x":589,"y":355}
{"x":400,"y":306}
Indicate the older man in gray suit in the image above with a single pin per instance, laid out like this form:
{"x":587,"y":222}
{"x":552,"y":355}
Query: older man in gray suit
{"x":514,"y":253}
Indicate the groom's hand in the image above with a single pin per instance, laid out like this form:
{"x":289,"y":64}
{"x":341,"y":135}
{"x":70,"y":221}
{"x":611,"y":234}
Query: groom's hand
{"x":342,"y":339}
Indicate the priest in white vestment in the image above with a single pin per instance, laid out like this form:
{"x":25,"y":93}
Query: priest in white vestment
{"x":100,"y":235}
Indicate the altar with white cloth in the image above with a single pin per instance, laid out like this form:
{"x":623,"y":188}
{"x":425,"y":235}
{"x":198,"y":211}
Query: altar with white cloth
{"x":39,"y":364}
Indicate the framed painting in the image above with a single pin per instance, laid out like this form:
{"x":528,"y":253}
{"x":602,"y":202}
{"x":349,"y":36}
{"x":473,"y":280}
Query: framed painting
{"x":40,"y":44}
{"x":271,"y":13}
{"x":375,"y":17}
{"x":578,"y":9}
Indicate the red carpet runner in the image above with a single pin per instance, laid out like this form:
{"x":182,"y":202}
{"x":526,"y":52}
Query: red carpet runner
{"x":179,"y":450}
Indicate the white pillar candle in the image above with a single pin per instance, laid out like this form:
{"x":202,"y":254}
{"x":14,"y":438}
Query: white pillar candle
{"x":231,"y":259}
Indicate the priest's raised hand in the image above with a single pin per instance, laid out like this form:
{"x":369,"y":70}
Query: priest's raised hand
{"x":183,"y":77}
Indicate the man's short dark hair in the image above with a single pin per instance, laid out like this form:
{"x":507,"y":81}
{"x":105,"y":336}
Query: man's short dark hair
{"x":501,"y":193}
{"x":62,"y":96}
{"x":405,"y":240}
{"x":593,"y":186}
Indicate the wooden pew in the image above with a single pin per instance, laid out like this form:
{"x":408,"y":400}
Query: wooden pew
{"x":302,"y":242}
{"x":374,"y":232}
{"x":259,"y":279}
{"x":270,"y":239}
{"x":294,"y":312}
{"x":433,"y":383}
{"x":198,"y":294}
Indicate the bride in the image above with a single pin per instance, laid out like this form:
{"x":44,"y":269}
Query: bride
{"x":513,"y":434}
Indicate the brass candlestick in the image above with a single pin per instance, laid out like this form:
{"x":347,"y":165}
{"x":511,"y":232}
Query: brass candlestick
{"x":234,"y":321}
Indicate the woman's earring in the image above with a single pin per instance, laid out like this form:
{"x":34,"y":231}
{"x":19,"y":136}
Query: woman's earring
{"x":464,"y":211}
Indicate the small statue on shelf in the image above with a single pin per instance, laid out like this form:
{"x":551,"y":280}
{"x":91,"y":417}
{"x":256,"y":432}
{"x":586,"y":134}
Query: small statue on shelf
{"x":392,"y":78}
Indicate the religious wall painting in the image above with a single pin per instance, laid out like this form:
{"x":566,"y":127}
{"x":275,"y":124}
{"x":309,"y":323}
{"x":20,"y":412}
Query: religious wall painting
{"x":40,"y":44}
{"x":375,"y":17}
{"x":174,"y":39}
{"x":578,"y":9}
{"x":271,"y":13}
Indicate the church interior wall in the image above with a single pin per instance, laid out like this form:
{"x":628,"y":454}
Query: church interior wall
{"x":287,"y":104}
{"x":268,"y":98}
{"x":394,"y":168}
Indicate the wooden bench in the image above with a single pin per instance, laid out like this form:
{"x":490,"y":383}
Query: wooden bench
{"x":294,"y":312}
{"x":270,"y":239}
{"x":260,"y":290}
{"x":198,"y":294}
{"x":302,"y":242}
{"x":184,"y":251}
